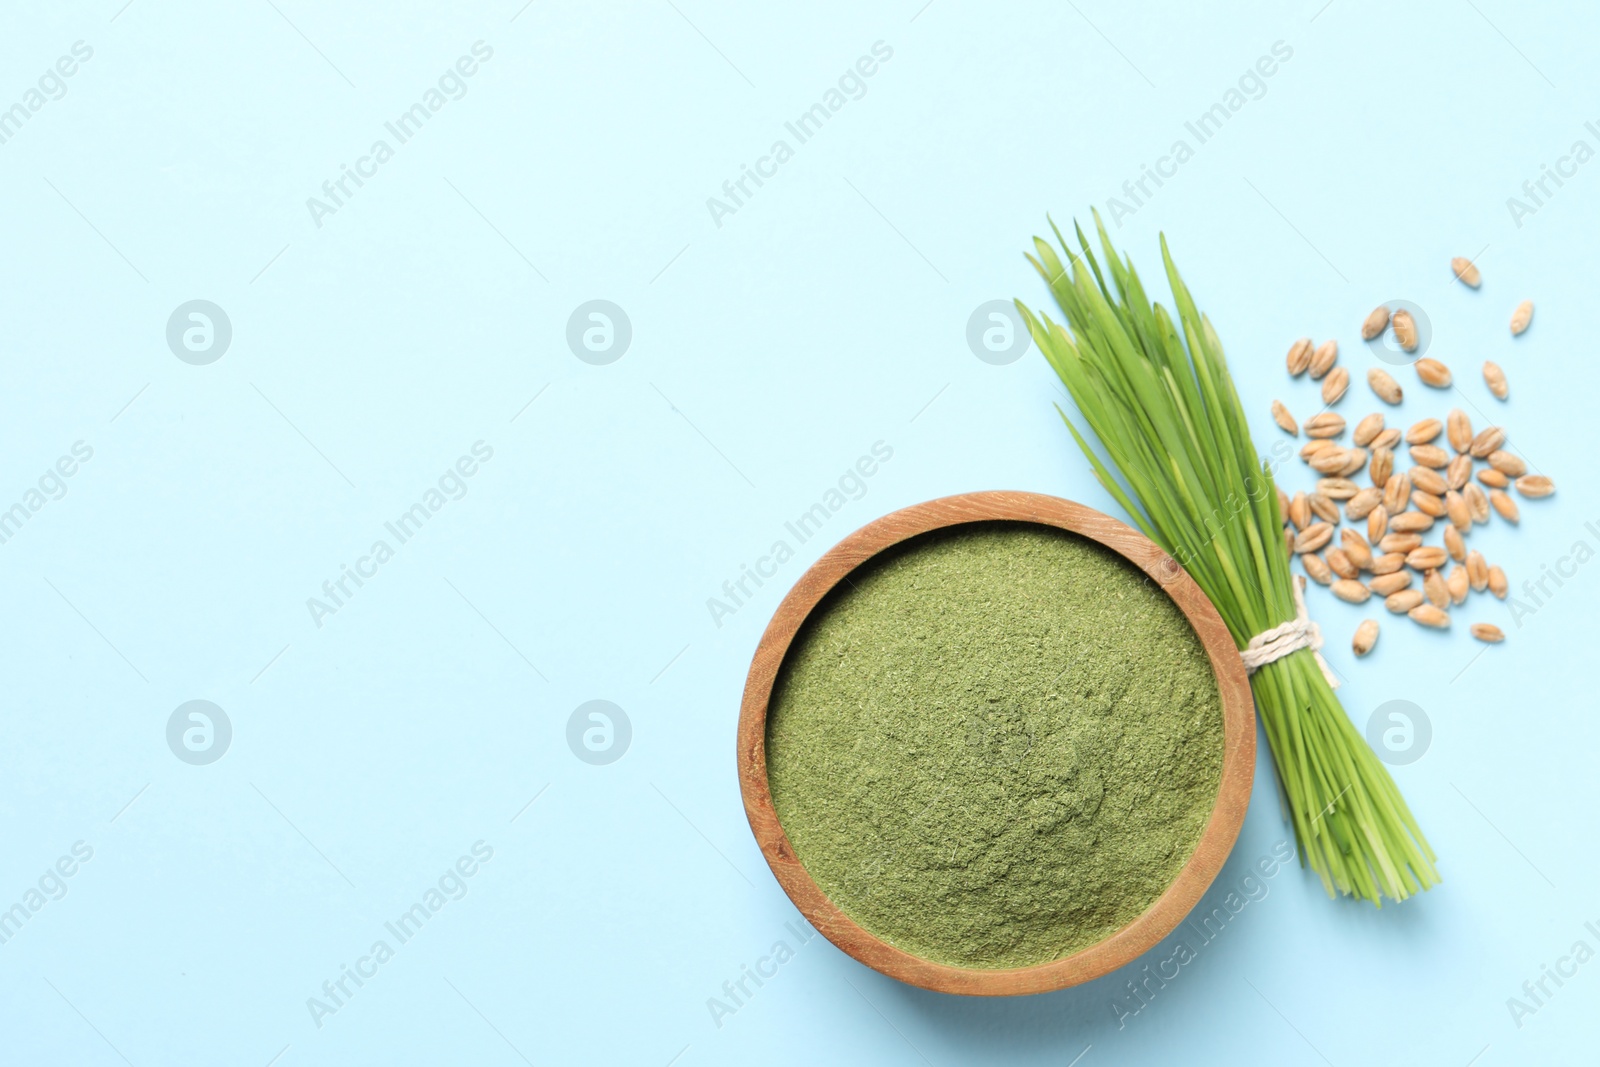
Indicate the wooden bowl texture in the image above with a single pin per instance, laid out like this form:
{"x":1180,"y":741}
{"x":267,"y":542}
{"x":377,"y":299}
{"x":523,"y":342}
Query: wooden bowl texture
{"x":1216,"y":840}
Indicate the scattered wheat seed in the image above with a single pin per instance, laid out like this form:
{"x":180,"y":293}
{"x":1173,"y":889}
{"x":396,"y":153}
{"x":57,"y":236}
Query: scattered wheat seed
{"x":1435,"y":589}
{"x":1299,"y":357}
{"x":1508,"y":463}
{"x":1410,"y":522}
{"x":1495,"y":378}
{"x":1313,"y":537}
{"x":1489,"y":439}
{"x":1377,"y":319}
{"x":1497,"y":582}
{"x":1366,"y":636}
{"x":1317,"y":568}
{"x":1384,"y":387}
{"x":1404,"y":601}
{"x":1401,"y":543}
{"x":1323,"y":506}
{"x":1325,"y":424}
{"x":1299,"y":510}
{"x":1331,"y":461}
{"x":1477,"y":503}
{"x":1285,"y":421}
{"x":1382,"y":465}
{"x":1502,"y":503}
{"x":1477,"y":571}
{"x":1366,"y":430}
{"x":1396,"y":492}
{"x":1521,"y":317}
{"x":1405,"y":330}
{"x":1454,"y":544}
{"x":1427,"y":503}
{"x":1386,"y":585}
{"x":1432,"y":372}
{"x":1377,"y":523}
{"x":1426,"y":558}
{"x":1360,"y":506}
{"x":1428,"y":615}
{"x":1350,"y":591}
{"x":1534,"y":486}
{"x":1389,"y":563}
{"x":1355,"y":546}
{"x":1335,"y":385}
{"x":1323,"y":358}
{"x":1428,"y":480}
{"x":1336,"y":489}
{"x":1429,"y":456}
{"x":1424,"y":430}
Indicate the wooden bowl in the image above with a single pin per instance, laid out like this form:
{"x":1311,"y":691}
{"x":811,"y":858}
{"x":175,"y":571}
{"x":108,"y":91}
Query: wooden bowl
{"x":1216,"y":840}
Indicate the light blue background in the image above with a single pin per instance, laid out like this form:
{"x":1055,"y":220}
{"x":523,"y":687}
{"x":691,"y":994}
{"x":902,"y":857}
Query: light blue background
{"x":768,"y":354}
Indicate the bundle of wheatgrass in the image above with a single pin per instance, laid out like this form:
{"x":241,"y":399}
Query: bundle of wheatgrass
{"x":1166,"y":414}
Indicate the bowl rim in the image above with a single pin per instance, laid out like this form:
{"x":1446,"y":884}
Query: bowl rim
{"x":1216,"y":839}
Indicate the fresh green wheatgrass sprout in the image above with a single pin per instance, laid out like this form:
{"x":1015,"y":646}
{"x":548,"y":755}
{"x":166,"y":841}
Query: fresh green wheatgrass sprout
{"x":1164,"y":410}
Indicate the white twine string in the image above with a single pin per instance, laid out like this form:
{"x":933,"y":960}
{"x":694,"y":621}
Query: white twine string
{"x":1276,"y":643}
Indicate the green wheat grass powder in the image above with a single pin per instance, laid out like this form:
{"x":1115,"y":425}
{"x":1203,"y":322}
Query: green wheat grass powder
{"x":995,"y":745}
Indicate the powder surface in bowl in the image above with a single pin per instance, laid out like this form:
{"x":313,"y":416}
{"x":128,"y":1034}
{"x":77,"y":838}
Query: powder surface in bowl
{"x":995,"y":745}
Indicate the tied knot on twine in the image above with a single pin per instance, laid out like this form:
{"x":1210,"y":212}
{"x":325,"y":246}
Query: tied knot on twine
{"x":1286,"y":637}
